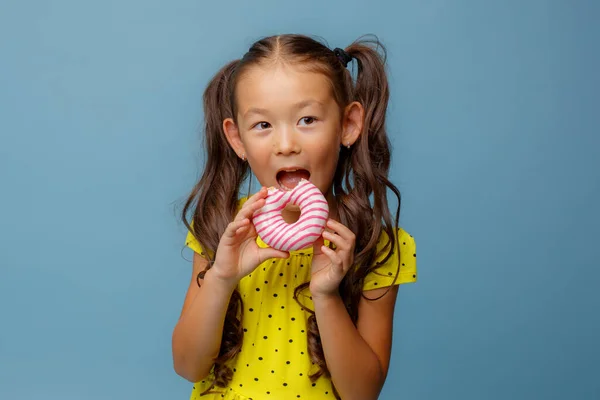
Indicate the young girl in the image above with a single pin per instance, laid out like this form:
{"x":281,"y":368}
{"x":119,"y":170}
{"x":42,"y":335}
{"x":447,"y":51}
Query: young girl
{"x":316,"y":323}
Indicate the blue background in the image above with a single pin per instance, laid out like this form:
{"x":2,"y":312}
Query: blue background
{"x":495,"y":123}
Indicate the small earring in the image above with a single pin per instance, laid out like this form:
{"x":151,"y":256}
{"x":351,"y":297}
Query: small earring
{"x":348,"y":144}
{"x":243,"y":156}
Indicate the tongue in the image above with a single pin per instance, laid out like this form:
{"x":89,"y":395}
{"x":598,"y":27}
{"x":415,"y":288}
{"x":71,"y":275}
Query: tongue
{"x":289,"y":180}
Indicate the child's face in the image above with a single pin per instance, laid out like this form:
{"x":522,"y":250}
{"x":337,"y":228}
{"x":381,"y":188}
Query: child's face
{"x":287,"y":118}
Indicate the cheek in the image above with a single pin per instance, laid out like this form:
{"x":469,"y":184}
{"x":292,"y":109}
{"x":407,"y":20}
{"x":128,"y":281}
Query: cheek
{"x":328,"y":156}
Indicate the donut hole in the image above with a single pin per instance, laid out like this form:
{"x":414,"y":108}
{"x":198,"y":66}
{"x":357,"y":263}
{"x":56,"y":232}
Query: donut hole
{"x":291,"y":213}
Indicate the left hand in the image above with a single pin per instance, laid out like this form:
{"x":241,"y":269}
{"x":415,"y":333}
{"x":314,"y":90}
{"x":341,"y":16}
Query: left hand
{"x":330,"y":266}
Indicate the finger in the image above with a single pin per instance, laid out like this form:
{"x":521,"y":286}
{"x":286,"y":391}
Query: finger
{"x":268,"y":252}
{"x":256,"y":202}
{"x":339,"y":242}
{"x":317,"y":246}
{"x":233,"y":226}
{"x":336,"y":261}
{"x":242,"y":229}
{"x":262,"y":193}
{"x":341,"y":230}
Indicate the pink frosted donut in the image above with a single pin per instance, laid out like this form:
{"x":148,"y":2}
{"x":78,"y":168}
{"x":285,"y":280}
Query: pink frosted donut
{"x":280,"y":235}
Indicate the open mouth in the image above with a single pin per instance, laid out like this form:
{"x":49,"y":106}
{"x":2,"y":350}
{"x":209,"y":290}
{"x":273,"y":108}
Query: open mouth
{"x":288,"y":179}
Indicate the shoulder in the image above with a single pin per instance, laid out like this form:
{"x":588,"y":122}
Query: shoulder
{"x":399,"y":268}
{"x":192,"y":242}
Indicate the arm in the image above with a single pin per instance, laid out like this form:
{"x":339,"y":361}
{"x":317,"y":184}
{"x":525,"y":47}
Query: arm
{"x":357,"y":357}
{"x":196,"y":338}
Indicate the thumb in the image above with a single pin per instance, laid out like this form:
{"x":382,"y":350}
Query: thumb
{"x":268,"y":252}
{"x":317,"y":245}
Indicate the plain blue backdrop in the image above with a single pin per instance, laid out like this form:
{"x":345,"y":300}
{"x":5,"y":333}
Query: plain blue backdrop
{"x":495,"y":123}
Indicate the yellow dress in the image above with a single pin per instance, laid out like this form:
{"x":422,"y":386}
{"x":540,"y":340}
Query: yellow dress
{"x":274,"y":361}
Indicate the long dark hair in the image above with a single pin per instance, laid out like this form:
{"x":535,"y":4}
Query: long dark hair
{"x":362,"y":172}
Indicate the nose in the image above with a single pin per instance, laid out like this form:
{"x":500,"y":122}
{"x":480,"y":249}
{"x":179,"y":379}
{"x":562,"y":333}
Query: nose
{"x":285,"y":142}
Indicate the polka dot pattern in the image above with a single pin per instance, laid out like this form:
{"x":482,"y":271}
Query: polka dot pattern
{"x":274,"y":362}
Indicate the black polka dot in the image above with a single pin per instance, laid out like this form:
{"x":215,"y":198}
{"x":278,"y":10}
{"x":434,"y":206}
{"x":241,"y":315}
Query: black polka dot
{"x":264,"y":337}
{"x":272,"y":371}
{"x":270,"y":316}
{"x":282,"y":307}
{"x":279,"y":328}
{"x":264,"y":269}
{"x":285,"y":285}
{"x":260,"y":358}
{"x":288,"y":263}
{"x":274,"y":294}
{"x":302,"y":352}
{"x":256,"y":379}
{"x":276,"y":350}
{"x":302,"y":331}
{"x":258,"y":289}
{"x":414,"y":276}
{"x":375,"y":283}
{"x":266,"y":282}
{"x":291,"y":340}
{"x":389,"y":273}
{"x":314,"y":384}
{"x":234,"y":370}
{"x":301,"y":265}
{"x":298,"y":395}
{"x":268,"y":392}
{"x":241,"y":385}
{"x":293,"y":319}
{"x":251,"y":309}
{"x":414,"y":255}
{"x":281,"y":274}
{"x":247,"y":365}
{"x":245,"y":330}
{"x":284,"y":384}
{"x":287,"y":362}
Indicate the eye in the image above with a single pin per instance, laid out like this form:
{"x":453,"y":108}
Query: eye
{"x":308,"y":120}
{"x":262,"y":125}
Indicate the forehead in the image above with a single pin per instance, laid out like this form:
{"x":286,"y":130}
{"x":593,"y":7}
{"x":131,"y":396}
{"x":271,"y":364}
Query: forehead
{"x":280,"y":85}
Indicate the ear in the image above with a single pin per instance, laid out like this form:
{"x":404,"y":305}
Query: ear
{"x":233,"y":137}
{"x":352,"y":123}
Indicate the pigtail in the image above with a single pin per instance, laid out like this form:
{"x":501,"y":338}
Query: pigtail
{"x":371,"y":163}
{"x":214,"y":200}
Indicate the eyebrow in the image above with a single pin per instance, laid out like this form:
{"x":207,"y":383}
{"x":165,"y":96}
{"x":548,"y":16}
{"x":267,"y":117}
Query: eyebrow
{"x":298,"y":106}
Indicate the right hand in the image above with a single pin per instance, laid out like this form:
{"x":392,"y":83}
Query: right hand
{"x":238,"y":254}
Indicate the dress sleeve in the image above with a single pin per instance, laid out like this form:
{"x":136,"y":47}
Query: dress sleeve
{"x":192,"y":243}
{"x":383,"y":276}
